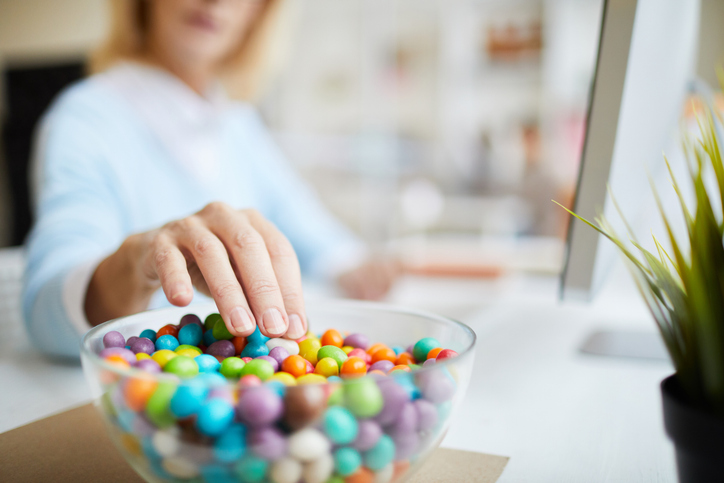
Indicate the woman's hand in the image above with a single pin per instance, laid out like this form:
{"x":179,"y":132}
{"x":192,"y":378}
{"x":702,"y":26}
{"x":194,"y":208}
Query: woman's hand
{"x":236,"y":256}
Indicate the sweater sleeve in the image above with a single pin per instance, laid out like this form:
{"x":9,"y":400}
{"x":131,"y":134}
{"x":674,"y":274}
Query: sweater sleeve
{"x":324,"y":246}
{"x":78,"y":220}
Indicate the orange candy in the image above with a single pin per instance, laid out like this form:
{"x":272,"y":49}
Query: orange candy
{"x":401,"y":468}
{"x":117,"y":360}
{"x":332,"y":337}
{"x":137,"y":392}
{"x":405,"y":358}
{"x":434,"y":352}
{"x":401,"y":367}
{"x":363,"y":475}
{"x":378,"y":372}
{"x":383,"y":354}
{"x":295,"y":365}
{"x":169,"y":329}
{"x":351,"y":368}
{"x":239,"y":344}
{"x":375,"y":347}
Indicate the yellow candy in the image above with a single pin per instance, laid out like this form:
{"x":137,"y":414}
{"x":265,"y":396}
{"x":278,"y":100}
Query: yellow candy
{"x":347,"y":349}
{"x":188,"y":352}
{"x":311,"y":379}
{"x":284,"y":377}
{"x":308,"y":349}
{"x":163,"y":356}
{"x":327,"y":367}
{"x":141,"y":356}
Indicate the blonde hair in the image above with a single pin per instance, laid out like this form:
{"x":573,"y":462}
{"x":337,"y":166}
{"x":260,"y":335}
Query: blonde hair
{"x":244,"y":74}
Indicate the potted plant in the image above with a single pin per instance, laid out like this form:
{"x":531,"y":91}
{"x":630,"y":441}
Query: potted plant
{"x":684,"y":289}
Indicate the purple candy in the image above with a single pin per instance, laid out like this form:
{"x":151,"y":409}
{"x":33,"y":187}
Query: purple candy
{"x":279,"y":353}
{"x":190,"y":319}
{"x":268,"y":443}
{"x":114,"y":339}
{"x":259,"y":406}
{"x":383,"y":366}
{"x":395,"y":397}
{"x":131,"y":340}
{"x":129,"y":356}
{"x":405,"y":445}
{"x":410,"y":348}
{"x":222,"y":348}
{"x":436,"y":386}
{"x":271,"y":361}
{"x":426,"y":414}
{"x":143,"y":345}
{"x":148,"y":365}
{"x":367,"y":436}
{"x":358,"y":341}
{"x":406,"y":421}
{"x":428,"y":363}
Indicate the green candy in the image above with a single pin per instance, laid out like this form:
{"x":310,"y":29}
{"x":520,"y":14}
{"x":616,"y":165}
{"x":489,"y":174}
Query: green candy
{"x":257,"y":367}
{"x":336,"y":398}
{"x":182,"y":366}
{"x":251,"y":469}
{"x":334,"y":352}
{"x":232,"y":367}
{"x":422,"y":347}
{"x":414,"y":367}
{"x":340,"y":425}
{"x":210,"y":321}
{"x":220,"y":332}
{"x":335,"y":479}
{"x":363,"y":398}
{"x":157,"y":407}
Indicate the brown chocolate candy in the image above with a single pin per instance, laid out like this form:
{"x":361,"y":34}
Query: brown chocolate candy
{"x":303,"y":405}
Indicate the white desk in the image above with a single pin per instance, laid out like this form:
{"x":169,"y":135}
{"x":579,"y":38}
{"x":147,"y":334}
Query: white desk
{"x":561,"y":416}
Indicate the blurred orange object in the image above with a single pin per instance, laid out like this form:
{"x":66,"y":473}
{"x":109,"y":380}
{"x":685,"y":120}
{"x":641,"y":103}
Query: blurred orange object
{"x":137,"y":391}
{"x":332,"y":337}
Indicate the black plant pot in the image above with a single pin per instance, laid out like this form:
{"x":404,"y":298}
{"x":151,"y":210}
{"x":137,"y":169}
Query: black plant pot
{"x":698,"y":436}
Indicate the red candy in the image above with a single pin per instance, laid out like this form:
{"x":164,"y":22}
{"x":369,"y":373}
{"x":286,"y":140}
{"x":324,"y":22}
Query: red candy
{"x":446,"y":354}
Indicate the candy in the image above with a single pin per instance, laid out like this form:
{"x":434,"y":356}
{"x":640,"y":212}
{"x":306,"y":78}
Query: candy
{"x":402,"y":368}
{"x":383,"y":365}
{"x":209,"y":338}
{"x":363,"y":398}
{"x":446,"y":354}
{"x":255,"y":349}
{"x":257,"y":337}
{"x":231,"y":445}
{"x":232,"y":367}
{"x":405,"y":358}
{"x":258,"y":367}
{"x":137,"y":392}
{"x":319,"y":470}
{"x":169,"y":329}
{"x":144,"y":345}
{"x":207,"y":363}
{"x":221,"y":348}
{"x":182,"y":366}
{"x":327,"y":367}
{"x":211,"y":320}
{"x":113,"y":339}
{"x":214,"y":417}
{"x":163,"y":356}
{"x":302,"y":406}
{"x":268,"y":443}
{"x":149,"y":334}
{"x":190,"y":319}
{"x":286,"y":470}
{"x":308,"y":349}
{"x":340,"y":426}
{"x":283,"y":377}
{"x":357,"y":341}
{"x":220,"y":331}
{"x":369,"y":432}
{"x":190,"y":334}
{"x":426,"y":414}
{"x":188,"y":398}
{"x":433,"y":353}
{"x":239,"y":344}
{"x":250,"y":380}
{"x":307,"y":444}
{"x":259,"y":406}
{"x":148,"y":365}
{"x":394,"y":397}
{"x":347,"y":461}
{"x":332,"y":338}
{"x":384,"y":354}
{"x":381,"y":454}
{"x":311,"y":379}
{"x":274,"y":363}
{"x":353,"y":367}
{"x":166,"y":342}
{"x":251,"y":469}
{"x":334,"y":352}
{"x":291,"y":346}
{"x":422,"y":347}
{"x":295,"y":365}
{"x":121,"y":352}
{"x":278,"y":353}
{"x":157,"y":407}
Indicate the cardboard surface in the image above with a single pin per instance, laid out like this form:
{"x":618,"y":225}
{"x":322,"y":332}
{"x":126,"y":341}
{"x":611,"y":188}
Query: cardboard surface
{"x":73,"y":447}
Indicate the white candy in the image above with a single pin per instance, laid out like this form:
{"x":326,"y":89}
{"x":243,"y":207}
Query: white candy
{"x":308,"y":444}
{"x":286,"y":470}
{"x":385,"y":474}
{"x":319,"y":470}
{"x":291,"y":346}
{"x":166,"y":442}
{"x":180,"y":467}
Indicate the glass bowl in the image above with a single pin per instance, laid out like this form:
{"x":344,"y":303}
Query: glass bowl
{"x":377,"y":428}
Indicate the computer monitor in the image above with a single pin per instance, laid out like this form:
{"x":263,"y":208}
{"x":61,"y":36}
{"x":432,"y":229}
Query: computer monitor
{"x":646,"y":59}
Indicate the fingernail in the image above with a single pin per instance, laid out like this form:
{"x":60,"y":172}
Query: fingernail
{"x":241,"y":320}
{"x":178,"y":290}
{"x":274,"y":322}
{"x":296,"y":327}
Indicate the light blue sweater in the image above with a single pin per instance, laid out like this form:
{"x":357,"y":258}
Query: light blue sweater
{"x":103,"y":175}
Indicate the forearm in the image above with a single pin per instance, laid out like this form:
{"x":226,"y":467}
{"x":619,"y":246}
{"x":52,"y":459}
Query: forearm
{"x":118,"y":286}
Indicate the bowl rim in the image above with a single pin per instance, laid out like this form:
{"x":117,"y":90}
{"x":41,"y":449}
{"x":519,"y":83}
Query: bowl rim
{"x":131,"y":371}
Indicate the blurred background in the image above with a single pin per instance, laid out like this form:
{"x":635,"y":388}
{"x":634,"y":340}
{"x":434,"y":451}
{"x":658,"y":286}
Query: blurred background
{"x":436,"y":129}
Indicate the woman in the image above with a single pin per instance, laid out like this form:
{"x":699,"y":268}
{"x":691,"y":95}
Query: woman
{"x":142,"y":171}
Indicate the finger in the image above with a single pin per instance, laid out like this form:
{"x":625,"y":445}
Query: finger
{"x":288,"y":274}
{"x":198,"y":280}
{"x":211,"y":257}
{"x":169,"y":265}
{"x":249,"y":252}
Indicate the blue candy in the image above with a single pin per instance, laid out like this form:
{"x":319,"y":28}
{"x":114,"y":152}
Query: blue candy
{"x":255,"y":350}
{"x":257,"y":337}
{"x":214,"y":417}
{"x":190,"y":334}
{"x":231,"y":445}
{"x":251,"y":469}
{"x":276,"y":386}
{"x":207,"y":362}
{"x":209,"y":337}
{"x":212,"y":379}
{"x":398,"y":349}
{"x":347,"y":461}
{"x":188,"y":398}
{"x":167,"y":342}
{"x":381,"y":454}
{"x":405,"y":380}
{"x":149,"y":334}
{"x":217,"y":474}
{"x":332,"y":379}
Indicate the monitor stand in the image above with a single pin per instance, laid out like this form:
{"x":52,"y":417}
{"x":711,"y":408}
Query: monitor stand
{"x":628,"y":344}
